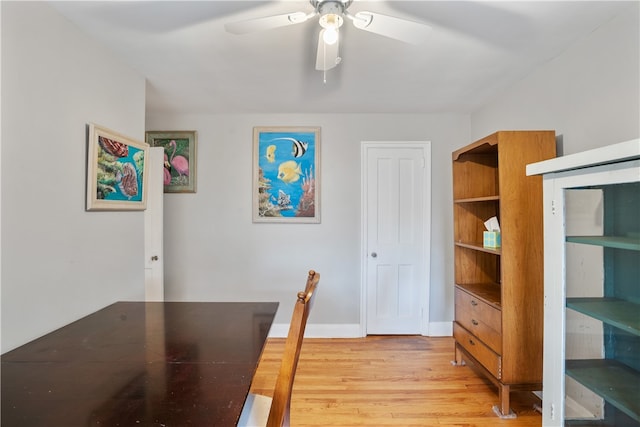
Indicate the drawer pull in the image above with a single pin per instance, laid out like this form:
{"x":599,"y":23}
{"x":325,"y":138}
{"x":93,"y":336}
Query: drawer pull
{"x":475,"y":322}
{"x":471,"y":342}
{"x":474,"y":303}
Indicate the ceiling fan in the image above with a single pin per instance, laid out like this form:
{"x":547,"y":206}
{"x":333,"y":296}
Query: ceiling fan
{"x":332,"y":15}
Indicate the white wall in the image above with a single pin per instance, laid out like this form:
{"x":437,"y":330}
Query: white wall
{"x":590,"y":95}
{"x":213,"y":251}
{"x":59,"y":262}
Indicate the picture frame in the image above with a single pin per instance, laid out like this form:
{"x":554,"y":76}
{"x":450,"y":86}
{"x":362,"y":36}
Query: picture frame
{"x":286,"y":174}
{"x":180,"y":158}
{"x":116,"y":171}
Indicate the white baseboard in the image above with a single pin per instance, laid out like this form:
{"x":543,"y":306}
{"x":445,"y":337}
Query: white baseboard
{"x":441,"y":329}
{"x":314,"y":330}
{"x":350,"y":330}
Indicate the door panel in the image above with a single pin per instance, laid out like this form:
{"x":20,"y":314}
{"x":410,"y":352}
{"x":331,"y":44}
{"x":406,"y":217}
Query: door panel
{"x":153,"y":227}
{"x":396,"y":224}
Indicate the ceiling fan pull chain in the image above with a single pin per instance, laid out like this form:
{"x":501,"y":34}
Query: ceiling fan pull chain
{"x":324,"y":55}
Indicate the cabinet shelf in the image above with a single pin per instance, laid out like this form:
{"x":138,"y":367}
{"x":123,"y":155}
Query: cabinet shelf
{"x":617,"y":242}
{"x":591,"y":290}
{"x":487,"y":292}
{"x":613,"y":381}
{"x":478,"y":199}
{"x":479,"y":247}
{"x":612,"y":311}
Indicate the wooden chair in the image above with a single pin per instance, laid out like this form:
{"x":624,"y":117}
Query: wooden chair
{"x":264,"y":411}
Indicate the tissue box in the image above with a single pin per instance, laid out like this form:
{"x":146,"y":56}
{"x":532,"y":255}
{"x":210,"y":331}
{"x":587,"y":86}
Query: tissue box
{"x":491,"y":239}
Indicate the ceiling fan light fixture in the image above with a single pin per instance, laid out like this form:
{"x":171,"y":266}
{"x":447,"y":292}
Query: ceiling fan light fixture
{"x":330,"y":35}
{"x":331,"y":22}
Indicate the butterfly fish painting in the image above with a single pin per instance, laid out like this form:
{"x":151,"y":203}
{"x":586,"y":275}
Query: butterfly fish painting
{"x":286,"y":172}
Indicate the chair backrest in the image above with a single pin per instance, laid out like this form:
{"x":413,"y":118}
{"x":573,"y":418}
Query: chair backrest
{"x":281,"y":403}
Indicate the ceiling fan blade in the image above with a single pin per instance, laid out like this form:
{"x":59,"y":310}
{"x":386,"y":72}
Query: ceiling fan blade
{"x":327,"y":57}
{"x":267,"y":23}
{"x":396,"y":28}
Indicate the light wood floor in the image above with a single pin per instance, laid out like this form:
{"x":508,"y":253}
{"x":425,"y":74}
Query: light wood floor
{"x":382,"y":381}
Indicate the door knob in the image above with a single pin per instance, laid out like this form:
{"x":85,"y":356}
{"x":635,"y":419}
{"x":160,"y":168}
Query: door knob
{"x":154,"y":258}
{"x":373,"y":254}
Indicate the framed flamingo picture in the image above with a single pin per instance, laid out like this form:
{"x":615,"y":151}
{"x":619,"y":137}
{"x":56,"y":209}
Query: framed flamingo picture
{"x":116,"y":171}
{"x":179,"y":159}
{"x":286,"y":167}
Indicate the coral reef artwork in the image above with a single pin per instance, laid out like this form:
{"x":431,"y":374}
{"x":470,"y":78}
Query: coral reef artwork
{"x":119,"y":171}
{"x":286,"y":174}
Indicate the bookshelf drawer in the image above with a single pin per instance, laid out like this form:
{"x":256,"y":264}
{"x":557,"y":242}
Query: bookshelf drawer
{"x":476,"y":348}
{"x":476,"y":326}
{"x":474,"y":308}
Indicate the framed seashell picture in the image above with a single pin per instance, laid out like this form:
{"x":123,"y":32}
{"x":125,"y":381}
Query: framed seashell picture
{"x":116,"y":171}
{"x":179,"y":158}
{"x":286,"y":183}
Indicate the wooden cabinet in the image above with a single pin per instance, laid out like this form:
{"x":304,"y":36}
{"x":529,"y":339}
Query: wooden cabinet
{"x":592,"y":287}
{"x":498,"y":291}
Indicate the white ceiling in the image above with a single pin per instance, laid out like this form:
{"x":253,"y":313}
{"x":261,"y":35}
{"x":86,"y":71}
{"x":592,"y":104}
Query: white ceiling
{"x":475,"y":51}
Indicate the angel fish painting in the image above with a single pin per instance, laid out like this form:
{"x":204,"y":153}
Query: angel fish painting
{"x":286,"y":174}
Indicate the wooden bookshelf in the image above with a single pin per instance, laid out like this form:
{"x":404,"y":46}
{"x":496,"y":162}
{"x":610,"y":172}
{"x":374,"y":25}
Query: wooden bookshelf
{"x":499,"y":291}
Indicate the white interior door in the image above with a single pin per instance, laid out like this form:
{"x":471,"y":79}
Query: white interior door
{"x":396,"y":228}
{"x":153,"y":231}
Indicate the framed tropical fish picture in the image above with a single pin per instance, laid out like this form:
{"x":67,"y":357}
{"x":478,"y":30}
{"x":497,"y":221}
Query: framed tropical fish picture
{"x":116,"y":171}
{"x":286,"y":174}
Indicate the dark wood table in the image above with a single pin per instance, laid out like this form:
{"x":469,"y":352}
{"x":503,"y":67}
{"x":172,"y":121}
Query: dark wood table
{"x":139,"y":364}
